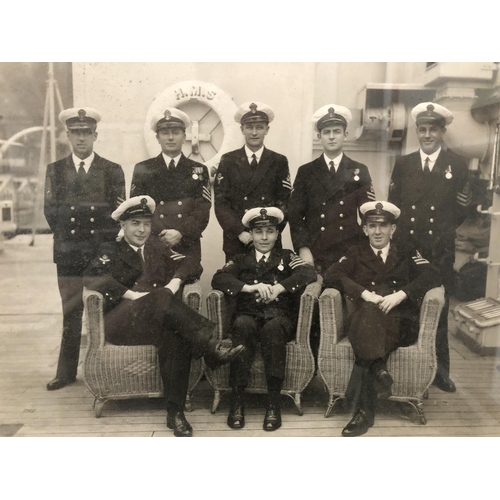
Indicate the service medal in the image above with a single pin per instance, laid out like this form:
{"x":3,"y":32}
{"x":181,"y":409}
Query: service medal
{"x":195,"y":176}
{"x":356,"y":175}
{"x":448,"y":174}
{"x":281,"y":267}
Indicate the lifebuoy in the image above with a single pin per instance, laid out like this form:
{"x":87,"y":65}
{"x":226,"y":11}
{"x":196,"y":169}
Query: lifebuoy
{"x":210,"y":95}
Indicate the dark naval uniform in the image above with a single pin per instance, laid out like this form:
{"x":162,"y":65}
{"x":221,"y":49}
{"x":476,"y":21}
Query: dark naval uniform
{"x":432,"y":206}
{"x":78,"y":210}
{"x":158,"y":318}
{"x":237,"y":189}
{"x":372,"y":333}
{"x":182,"y":196}
{"x":273,"y":324}
{"x":323,"y":209}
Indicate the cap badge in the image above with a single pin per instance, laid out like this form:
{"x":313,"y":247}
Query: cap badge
{"x":81,"y":115}
{"x":253,"y":108}
{"x":378,"y":208}
{"x":167,"y":114}
{"x":430,"y":109}
{"x":263,"y":213}
{"x":144,"y":202}
{"x":331,"y":112}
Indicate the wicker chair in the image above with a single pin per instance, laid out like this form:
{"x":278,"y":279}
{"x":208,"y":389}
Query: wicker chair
{"x":299,"y":357}
{"x":124,"y":372}
{"x":413,"y":368}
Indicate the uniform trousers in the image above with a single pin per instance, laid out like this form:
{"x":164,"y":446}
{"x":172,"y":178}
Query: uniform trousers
{"x":161,"y":319}
{"x":70,"y":283}
{"x":273,"y":335}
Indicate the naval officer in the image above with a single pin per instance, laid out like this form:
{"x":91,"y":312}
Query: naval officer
{"x":252,"y":176}
{"x":431,"y":186}
{"x":81,"y":192}
{"x":327,"y":194}
{"x":180,"y":186}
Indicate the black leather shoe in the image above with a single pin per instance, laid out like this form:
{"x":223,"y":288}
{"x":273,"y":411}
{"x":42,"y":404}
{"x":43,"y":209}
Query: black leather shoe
{"x":444,"y":383}
{"x":236,"y":417}
{"x":221,"y":354}
{"x":177,"y":421}
{"x":359,"y":424}
{"x":383,"y":384}
{"x":272,"y":420}
{"x":59,"y":383}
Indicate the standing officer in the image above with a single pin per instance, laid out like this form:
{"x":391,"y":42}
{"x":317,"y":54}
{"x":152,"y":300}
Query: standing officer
{"x":386,"y":286}
{"x":179,"y":186}
{"x":81,"y":192}
{"x":139,"y":280}
{"x":267,"y":283}
{"x":327,"y":193}
{"x":250,"y":177}
{"x":431,"y":186}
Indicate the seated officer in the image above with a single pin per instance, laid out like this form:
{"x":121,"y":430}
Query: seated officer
{"x":139,"y":281}
{"x":386,"y":286}
{"x":266,"y":283}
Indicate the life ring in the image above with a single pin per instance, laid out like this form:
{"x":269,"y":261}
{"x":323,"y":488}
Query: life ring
{"x":208,"y":94}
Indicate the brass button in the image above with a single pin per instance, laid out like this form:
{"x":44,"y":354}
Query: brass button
{"x":341,"y":215}
{"x":431,"y":220}
{"x":245,"y":198}
{"x":92,"y":207}
{"x":246,"y":210}
{"x":341,"y":228}
{"x":413,"y":219}
{"x":263,"y":198}
{"x":322,"y":216}
{"x":430,"y":232}
{"x":179,"y":203}
{"x":72,"y":208}
{"x":180,"y":216}
{"x":154,"y":285}
{"x":161,"y":216}
{"x":255,"y":281}
{"x":411,"y":232}
{"x":92,"y":219}
{"x":413,"y":207}
{"x":373,"y":283}
{"x":72,"y":231}
{"x":162,"y":202}
{"x":322,"y":229}
{"x":432,"y":208}
{"x":325,"y":204}
{"x":341,"y":202}
{"x":72,"y":219}
{"x":91,"y":231}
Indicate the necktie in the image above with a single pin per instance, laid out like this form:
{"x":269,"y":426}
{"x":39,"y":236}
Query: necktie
{"x":379,"y":255}
{"x":171,"y":165}
{"x":253,"y":163}
{"x":141,"y":256}
{"x":81,"y":170}
{"x":332,"y":170}
{"x":427,"y":170}
{"x":262,"y":261}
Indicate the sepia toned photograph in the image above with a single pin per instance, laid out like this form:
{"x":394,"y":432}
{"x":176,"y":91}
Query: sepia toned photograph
{"x":244,"y":249}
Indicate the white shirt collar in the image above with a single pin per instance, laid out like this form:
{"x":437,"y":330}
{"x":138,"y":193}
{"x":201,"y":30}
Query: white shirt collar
{"x":336,"y":161}
{"x":86,"y":162}
{"x":385,"y":251}
{"x":258,"y":255}
{"x":134,"y":248}
{"x":432,"y":158}
{"x":257,"y":154}
{"x":168,"y":159}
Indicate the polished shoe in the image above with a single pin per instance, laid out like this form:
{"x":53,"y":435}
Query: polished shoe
{"x":177,"y":421}
{"x":236,"y":417}
{"x":59,"y":383}
{"x":170,"y":425}
{"x":221,"y":354}
{"x":383,"y":384}
{"x":359,"y":424}
{"x":272,"y":420}
{"x":444,"y":383}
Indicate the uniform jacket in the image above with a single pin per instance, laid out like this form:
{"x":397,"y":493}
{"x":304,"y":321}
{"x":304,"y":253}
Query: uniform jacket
{"x":238,"y":190}
{"x":79,"y":214}
{"x":118,"y":268}
{"x":360,"y":269}
{"x":323,"y":211}
{"x":432,"y":206}
{"x":183,"y":198}
{"x":282,"y":266}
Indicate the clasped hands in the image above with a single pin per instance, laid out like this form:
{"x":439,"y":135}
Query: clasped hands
{"x":384,"y":303}
{"x":170,"y":237}
{"x":264,"y":292}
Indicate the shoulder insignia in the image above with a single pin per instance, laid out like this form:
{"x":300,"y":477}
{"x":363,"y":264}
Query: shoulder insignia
{"x":342,"y":258}
{"x":287,"y":183}
{"x":418,"y":259}
{"x":104,"y":259}
{"x":219,"y":178}
{"x":198,"y":170}
{"x":296,"y":261}
{"x":207,"y":192}
{"x":371,"y":193}
{"x":177,"y":255}
{"x":464,"y":197}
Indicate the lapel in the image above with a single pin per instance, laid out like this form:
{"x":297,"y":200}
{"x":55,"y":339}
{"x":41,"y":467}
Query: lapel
{"x":96,"y":164}
{"x":322,"y":173}
{"x":370,"y":260}
{"x":129,"y":256}
{"x":243,"y":170}
{"x":391,"y":262}
{"x":261,"y":171}
{"x":161,"y":166}
{"x":183,"y":169}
